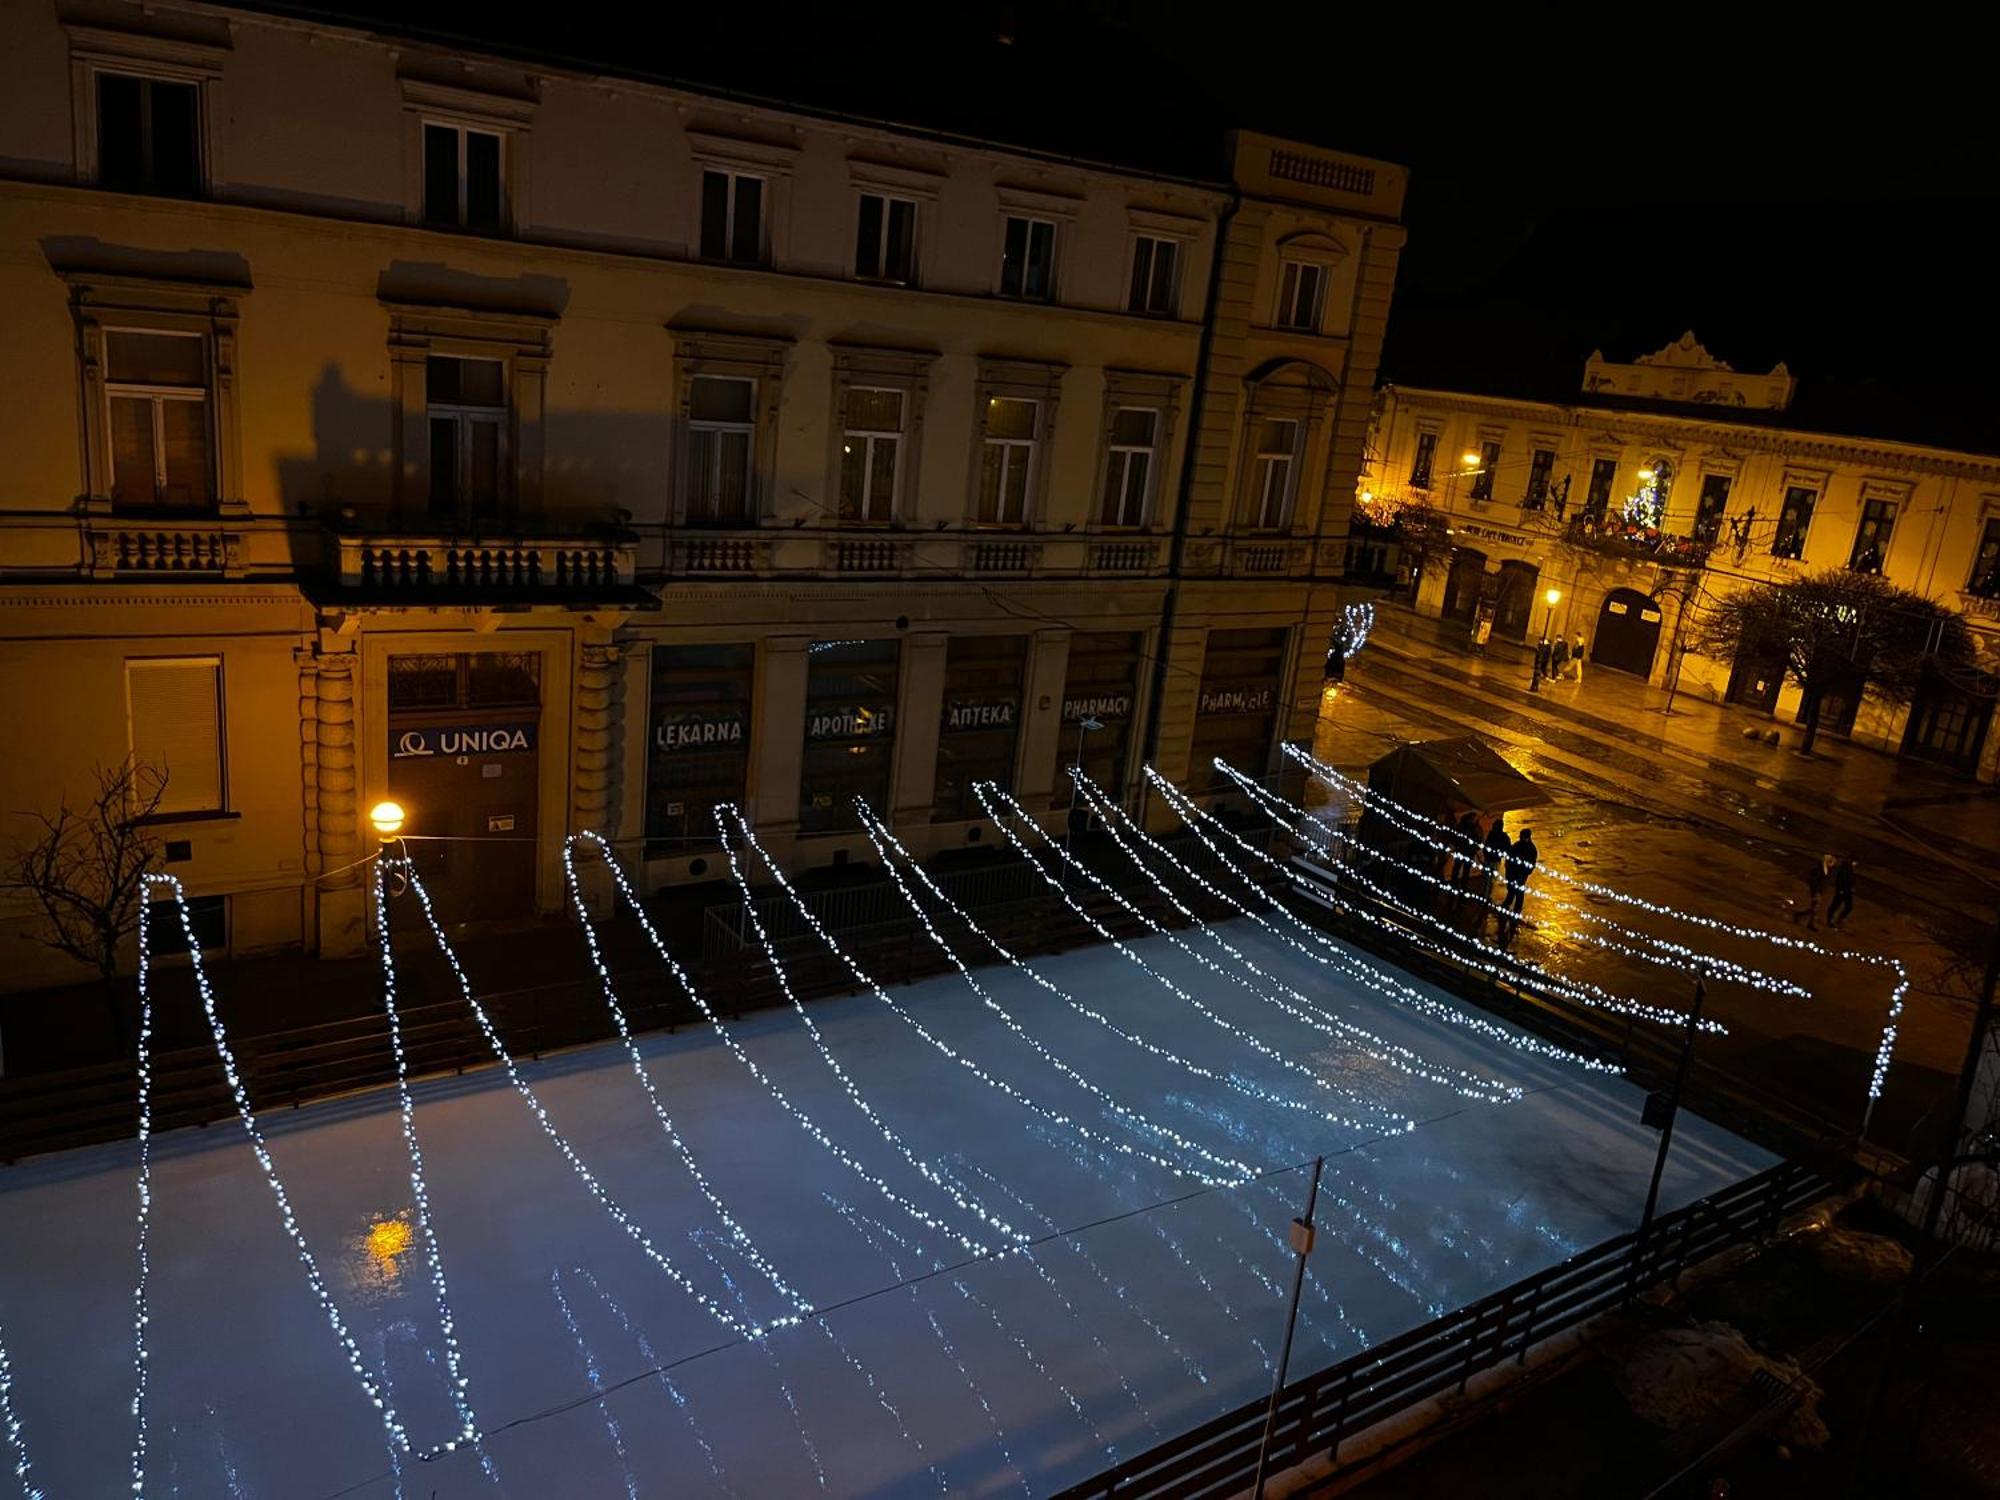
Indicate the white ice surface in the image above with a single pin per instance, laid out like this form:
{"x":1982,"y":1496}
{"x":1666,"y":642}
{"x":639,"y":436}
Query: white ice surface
{"x":1004,"y":1377}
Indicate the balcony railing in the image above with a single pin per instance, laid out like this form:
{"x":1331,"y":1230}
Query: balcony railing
{"x":174,"y":548}
{"x":1617,"y":538}
{"x":403,"y":566}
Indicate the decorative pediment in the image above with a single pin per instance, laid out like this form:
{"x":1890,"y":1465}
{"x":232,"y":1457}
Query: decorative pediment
{"x":1684,"y":353}
{"x":1311,"y":244}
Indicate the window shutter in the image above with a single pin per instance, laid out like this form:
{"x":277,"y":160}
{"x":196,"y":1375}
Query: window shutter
{"x":177,"y":729}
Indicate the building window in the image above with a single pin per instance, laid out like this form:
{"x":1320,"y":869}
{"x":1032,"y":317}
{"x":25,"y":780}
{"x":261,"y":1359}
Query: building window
{"x":1128,"y":472}
{"x":462,"y":178}
{"x":869,"y":450}
{"x":1028,"y":259}
{"x":1155,"y":277}
{"x":732,"y":216}
{"x":1271,"y":474}
{"x":1710,"y":505}
{"x":981,"y":721}
{"x":1006,"y":466}
{"x":1424,"y":462}
{"x":465,"y":679}
{"x":1101,"y":684}
{"x":1540,"y":466}
{"x":1871,"y":538}
{"x":1984,"y":581}
{"x":1794,"y":521}
{"x":699,"y":755}
{"x":148,"y":135}
{"x":886,"y":243}
{"x":465,"y":401}
{"x":721,"y":428}
{"x":1489,"y":464}
{"x":1236,"y":714}
{"x":156,"y":388}
{"x":1603,"y":474}
{"x":1301,"y":285}
{"x":850,"y":733}
{"x":174,"y":714}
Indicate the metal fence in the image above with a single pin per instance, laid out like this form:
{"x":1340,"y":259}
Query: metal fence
{"x":1317,"y":1412}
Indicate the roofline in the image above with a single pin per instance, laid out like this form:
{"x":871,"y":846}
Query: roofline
{"x":1809,"y":434}
{"x":586,"y":70}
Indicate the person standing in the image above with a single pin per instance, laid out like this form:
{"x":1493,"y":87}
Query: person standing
{"x":1576,"y":656}
{"x":1817,"y":872}
{"x":1841,"y":907}
{"x":1559,"y":659}
{"x":1521,"y":861}
{"x":1492,"y":856}
{"x":1542,"y":657}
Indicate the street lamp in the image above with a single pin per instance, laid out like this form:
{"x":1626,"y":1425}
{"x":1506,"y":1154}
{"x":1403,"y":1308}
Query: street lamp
{"x":1083,"y":727}
{"x":387,"y":819}
{"x":1551,"y":597}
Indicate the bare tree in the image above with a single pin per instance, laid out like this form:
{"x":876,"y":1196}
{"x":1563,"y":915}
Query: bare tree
{"x":1838,"y":630}
{"x":84,"y":873}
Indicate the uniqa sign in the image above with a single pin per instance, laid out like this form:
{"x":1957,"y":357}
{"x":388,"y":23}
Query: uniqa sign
{"x":1104,"y":706}
{"x":699,"y":729}
{"x":461,"y":739}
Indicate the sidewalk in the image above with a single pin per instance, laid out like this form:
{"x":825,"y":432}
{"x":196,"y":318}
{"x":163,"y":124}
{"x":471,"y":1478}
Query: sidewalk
{"x":1933,"y":812}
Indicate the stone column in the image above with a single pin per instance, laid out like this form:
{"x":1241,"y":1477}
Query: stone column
{"x":1043,"y":761}
{"x":599,"y":721}
{"x":337,"y":780}
{"x":919,"y":709}
{"x":777,"y":724}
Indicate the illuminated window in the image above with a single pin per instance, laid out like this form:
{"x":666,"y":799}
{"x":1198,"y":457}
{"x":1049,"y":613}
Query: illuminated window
{"x":1489,"y":464}
{"x":1603,"y":474}
{"x":156,"y":388}
{"x":1871,"y":537}
{"x":1709,"y":507}
{"x":869,"y":449}
{"x":462,"y":178}
{"x":1984,"y":581}
{"x":1425,"y":461}
{"x":1540,"y":466}
{"x":1007,"y":460}
{"x":1794,"y":521}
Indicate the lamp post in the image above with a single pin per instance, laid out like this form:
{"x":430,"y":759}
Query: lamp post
{"x":1551,"y":597}
{"x":386,"y":818}
{"x":1083,"y":727}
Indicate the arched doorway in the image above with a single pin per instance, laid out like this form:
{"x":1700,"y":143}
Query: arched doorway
{"x":1628,"y":632}
{"x":1516,"y":603}
{"x":1461,"y":588}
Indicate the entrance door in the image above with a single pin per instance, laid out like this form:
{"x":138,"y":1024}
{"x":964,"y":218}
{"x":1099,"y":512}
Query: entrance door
{"x":463,"y":762}
{"x":1628,"y":632}
{"x":1755,"y":682}
{"x":1839,"y":704}
{"x":1461,"y":589}
{"x":1947,"y":724}
{"x":1516,"y":603}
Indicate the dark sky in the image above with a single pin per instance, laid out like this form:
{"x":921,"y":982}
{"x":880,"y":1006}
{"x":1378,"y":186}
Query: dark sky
{"x":1581,"y":179}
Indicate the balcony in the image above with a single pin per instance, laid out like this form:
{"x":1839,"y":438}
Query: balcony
{"x":394,"y":566}
{"x":121,"y":548}
{"x":1611,"y":537}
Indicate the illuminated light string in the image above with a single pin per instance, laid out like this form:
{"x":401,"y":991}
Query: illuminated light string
{"x":140,"y":1313}
{"x":10,"y":1423}
{"x":745,"y":1328}
{"x":1360,"y":619}
{"x":1403,"y":1059}
{"x":468,"y":1423}
{"x":593,"y":1374}
{"x":1239,"y":1171}
{"x":1327,"y":952}
{"x":805,"y":1121}
{"x":737,"y":1234}
{"x":1673,"y":955}
{"x":1232,"y":1081}
{"x":315,"y":1278}
{"x":1464,"y":947}
{"x":1885,"y":1048}
{"x":981,"y":790}
{"x":728,"y":819}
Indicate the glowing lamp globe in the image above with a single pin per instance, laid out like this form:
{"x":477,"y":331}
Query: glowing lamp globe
{"x":1552,"y":597}
{"x":386,"y":818}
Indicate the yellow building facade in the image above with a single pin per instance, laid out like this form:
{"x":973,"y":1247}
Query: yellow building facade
{"x":554,"y":451}
{"x":1671,"y":481}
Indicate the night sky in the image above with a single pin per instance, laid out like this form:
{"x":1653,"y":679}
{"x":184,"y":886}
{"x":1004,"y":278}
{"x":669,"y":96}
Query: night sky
{"x":1590,"y":179}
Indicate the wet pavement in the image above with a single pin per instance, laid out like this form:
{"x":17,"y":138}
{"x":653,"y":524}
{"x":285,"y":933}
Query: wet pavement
{"x":1685,"y":813}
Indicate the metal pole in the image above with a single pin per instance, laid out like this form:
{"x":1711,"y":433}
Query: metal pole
{"x":1667,"y":1130}
{"x":1083,"y":727}
{"x":1542,"y":648}
{"x":1302,"y":1243}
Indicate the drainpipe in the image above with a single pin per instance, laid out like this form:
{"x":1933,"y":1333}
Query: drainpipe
{"x":1177,"y":543}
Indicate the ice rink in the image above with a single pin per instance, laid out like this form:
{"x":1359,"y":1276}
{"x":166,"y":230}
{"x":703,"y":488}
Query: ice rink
{"x":1145,"y":1301}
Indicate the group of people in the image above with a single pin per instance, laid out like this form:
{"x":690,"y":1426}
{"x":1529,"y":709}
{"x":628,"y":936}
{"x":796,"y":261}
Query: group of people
{"x":1832,"y":870}
{"x":1560,"y":660}
{"x":1471,"y":876}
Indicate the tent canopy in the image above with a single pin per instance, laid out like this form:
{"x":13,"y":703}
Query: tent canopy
{"x":1466,"y":772}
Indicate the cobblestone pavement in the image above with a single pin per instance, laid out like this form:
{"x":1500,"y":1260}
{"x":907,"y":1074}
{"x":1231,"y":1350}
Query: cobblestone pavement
{"x":1683,"y":811}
